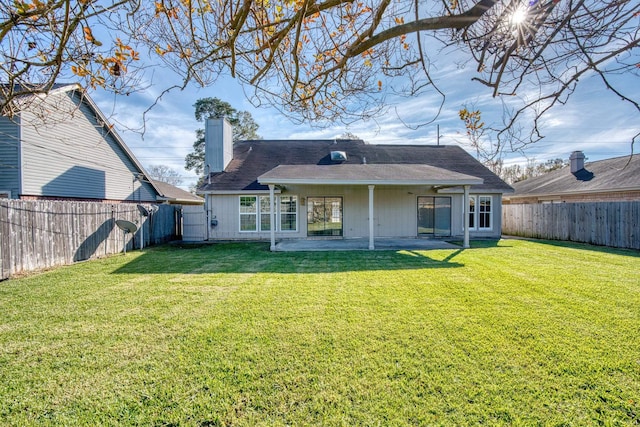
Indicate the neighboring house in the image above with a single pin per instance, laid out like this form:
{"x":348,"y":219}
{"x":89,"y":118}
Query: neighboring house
{"x":616,"y":179}
{"x":345,"y":189}
{"x":61,"y":147}
{"x":175,"y":196}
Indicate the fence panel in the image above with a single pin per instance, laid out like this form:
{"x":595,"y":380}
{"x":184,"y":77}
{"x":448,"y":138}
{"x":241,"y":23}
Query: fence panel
{"x":4,"y":231}
{"x":614,"y":224}
{"x":43,"y":234}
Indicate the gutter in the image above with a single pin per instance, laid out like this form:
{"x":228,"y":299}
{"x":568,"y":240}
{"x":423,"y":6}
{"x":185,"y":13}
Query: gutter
{"x":570,"y":193}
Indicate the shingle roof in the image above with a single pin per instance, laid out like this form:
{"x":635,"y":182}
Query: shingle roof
{"x":254,"y":158}
{"x":616,"y":174}
{"x":175,"y":194}
{"x":366,"y":174}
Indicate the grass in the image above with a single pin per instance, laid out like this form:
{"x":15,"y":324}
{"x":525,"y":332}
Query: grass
{"x":513,"y":333}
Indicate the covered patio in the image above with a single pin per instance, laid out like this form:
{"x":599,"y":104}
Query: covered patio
{"x":370,"y":176}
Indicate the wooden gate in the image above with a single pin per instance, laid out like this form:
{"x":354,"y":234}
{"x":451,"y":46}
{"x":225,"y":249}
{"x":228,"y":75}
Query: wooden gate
{"x":194,"y":223}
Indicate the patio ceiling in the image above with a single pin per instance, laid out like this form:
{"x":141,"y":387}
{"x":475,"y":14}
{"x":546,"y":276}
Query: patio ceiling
{"x":366,"y":174}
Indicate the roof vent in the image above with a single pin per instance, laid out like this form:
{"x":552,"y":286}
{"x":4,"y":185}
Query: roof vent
{"x":338,"y":156}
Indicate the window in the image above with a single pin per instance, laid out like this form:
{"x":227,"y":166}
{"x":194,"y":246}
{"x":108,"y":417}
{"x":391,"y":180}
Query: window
{"x":288,"y":213}
{"x":248,"y":213}
{"x":484,"y":212}
{"x":255,"y":213}
{"x":336,"y":211}
{"x":265,"y":213}
{"x":480,"y":217}
{"x":472,"y":212}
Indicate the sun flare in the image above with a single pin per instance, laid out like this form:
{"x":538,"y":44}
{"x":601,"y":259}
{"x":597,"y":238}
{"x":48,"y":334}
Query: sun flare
{"x":519,"y":16}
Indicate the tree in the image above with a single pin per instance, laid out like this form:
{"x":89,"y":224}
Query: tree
{"x":327,"y":59}
{"x":515,"y":173}
{"x":164,"y":173}
{"x":475,"y":130}
{"x":489,"y":151}
{"x":349,"y":135}
{"x":244,"y":128}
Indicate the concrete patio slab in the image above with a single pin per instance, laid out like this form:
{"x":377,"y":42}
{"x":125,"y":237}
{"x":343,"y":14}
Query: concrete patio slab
{"x":381,"y":244}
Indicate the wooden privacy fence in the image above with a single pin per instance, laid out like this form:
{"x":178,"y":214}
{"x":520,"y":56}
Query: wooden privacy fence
{"x":614,"y":224}
{"x":42,"y":234}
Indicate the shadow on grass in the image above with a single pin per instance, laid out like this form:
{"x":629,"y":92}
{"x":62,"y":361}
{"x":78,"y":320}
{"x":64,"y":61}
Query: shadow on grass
{"x":256,"y":258}
{"x":483,"y":243}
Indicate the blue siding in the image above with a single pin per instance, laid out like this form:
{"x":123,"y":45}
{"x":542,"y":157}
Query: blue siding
{"x":10,"y":155}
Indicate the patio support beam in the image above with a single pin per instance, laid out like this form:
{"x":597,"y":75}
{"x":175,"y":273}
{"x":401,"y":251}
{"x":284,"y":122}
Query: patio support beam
{"x":272,"y":227}
{"x":371,"y":227}
{"x":465,"y":220}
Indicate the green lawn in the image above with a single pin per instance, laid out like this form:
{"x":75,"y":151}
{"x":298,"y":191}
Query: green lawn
{"x":513,"y":333}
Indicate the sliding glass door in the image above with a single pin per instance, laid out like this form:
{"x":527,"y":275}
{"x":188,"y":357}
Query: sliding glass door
{"x":434,"y":216}
{"x":324,"y":216}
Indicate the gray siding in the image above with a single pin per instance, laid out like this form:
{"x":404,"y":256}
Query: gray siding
{"x":70,"y":153}
{"x":395,"y":212}
{"x":10,"y":155}
{"x":225,"y":209}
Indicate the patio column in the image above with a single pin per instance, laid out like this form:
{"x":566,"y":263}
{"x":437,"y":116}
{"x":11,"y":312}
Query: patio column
{"x":465,"y":220}
{"x":371,"y":227}
{"x":272,"y":204}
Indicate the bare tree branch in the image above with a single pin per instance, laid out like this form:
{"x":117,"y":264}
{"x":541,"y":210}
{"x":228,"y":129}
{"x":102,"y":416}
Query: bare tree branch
{"x":332,"y":60}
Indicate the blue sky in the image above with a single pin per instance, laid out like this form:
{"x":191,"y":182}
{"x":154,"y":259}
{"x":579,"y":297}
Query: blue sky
{"x":594,"y":121}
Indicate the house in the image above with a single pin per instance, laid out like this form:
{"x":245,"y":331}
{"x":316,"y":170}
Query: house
{"x":297,"y":189}
{"x":60,"y":146}
{"x":173,"y":195}
{"x":615,"y":179}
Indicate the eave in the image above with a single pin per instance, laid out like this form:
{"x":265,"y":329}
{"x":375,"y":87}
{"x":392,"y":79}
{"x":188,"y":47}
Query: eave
{"x":366,"y":174}
{"x":572,"y":192}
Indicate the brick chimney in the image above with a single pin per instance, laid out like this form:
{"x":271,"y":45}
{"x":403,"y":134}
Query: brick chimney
{"x":218,"y":145}
{"x":577,"y":161}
